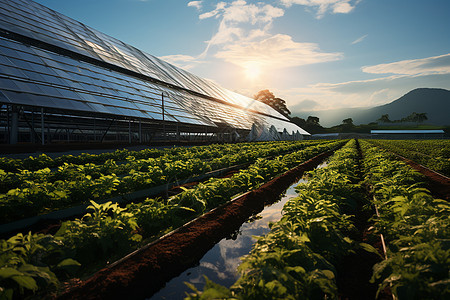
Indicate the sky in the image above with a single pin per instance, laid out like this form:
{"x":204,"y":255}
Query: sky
{"x":314,"y":54}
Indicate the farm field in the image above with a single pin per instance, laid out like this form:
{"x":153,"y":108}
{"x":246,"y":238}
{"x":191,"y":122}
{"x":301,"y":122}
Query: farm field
{"x":224,"y":150}
{"x":35,"y":262}
{"x":337,"y":219}
{"x":338,"y":216}
{"x":434,"y":154}
{"x":39,"y":185}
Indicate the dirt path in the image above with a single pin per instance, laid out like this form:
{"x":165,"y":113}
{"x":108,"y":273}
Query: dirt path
{"x":439,"y":184}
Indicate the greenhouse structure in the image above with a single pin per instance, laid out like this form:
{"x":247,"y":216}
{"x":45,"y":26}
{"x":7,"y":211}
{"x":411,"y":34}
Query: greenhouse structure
{"x":62,"y":81}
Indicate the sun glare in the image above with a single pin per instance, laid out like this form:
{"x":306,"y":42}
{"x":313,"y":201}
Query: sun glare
{"x":252,"y":71}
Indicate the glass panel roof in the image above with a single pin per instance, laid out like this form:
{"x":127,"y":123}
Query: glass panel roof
{"x":93,"y":84}
{"x":67,"y":81}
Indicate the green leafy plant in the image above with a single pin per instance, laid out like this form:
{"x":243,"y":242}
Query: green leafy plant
{"x":415,"y":226}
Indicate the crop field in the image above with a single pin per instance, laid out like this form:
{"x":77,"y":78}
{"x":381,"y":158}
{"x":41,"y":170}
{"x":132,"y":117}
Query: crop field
{"x":306,"y":254}
{"x":366,"y":206}
{"x":434,"y":154}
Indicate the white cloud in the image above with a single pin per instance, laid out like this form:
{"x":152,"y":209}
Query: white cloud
{"x":239,"y":14}
{"x":278,"y":51}
{"x":359,"y":40}
{"x":342,"y":8}
{"x":244,"y":40}
{"x":324,"y":6}
{"x":423,"y":66}
{"x":239,"y":21}
{"x":196,"y":4}
{"x":219,"y":7}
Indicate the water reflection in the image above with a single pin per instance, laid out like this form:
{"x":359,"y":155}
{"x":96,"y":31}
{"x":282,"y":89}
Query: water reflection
{"x":220,"y":263}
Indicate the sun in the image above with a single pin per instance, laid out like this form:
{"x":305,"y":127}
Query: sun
{"x":252,"y":71}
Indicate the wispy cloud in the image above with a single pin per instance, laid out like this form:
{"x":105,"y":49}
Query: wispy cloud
{"x":196,"y":4}
{"x":324,"y":6}
{"x":406,"y":75}
{"x":422,"y":66}
{"x":219,"y":7}
{"x":239,"y":20}
{"x":243,"y":38}
{"x":278,"y":51}
{"x":359,"y":40}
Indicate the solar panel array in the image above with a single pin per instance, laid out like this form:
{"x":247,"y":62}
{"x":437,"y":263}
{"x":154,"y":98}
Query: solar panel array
{"x":31,"y":75}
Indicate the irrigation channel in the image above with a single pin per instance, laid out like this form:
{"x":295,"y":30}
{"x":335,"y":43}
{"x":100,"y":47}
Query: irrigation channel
{"x":220,"y":263}
{"x":145,"y":271}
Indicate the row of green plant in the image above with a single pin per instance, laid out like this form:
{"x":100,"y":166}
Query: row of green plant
{"x":297,"y":259}
{"x":77,"y":184}
{"x":434,"y":154}
{"x":436,"y":148}
{"x":415,"y":226}
{"x":172,"y":165}
{"x":34,"y":163}
{"x":34,"y":264}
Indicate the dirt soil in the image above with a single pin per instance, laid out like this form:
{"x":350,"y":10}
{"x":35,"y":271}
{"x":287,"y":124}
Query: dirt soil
{"x":438,"y":184}
{"x":145,"y":271}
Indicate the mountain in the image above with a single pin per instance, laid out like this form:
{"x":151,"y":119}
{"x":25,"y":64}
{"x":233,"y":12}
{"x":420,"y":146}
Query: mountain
{"x":434,"y":102}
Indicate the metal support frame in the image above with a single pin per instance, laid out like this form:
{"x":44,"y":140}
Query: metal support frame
{"x":42,"y":127}
{"x":14,"y":132}
{"x":8,"y":124}
{"x":129,"y":131}
{"x":140,"y":132}
{"x":106,"y":131}
{"x":95,"y":135}
{"x":163,"y":117}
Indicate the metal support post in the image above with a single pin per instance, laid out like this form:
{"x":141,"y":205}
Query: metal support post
{"x":33,"y":132}
{"x":42,"y":127}
{"x":129,"y":131}
{"x":14,"y":133}
{"x":140,"y":132}
{"x":163,"y":117}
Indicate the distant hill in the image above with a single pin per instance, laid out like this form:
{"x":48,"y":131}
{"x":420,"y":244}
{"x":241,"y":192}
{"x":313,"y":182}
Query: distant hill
{"x":434,"y":102}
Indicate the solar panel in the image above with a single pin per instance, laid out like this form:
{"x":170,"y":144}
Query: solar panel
{"x":29,"y":74}
{"x":50,"y":81}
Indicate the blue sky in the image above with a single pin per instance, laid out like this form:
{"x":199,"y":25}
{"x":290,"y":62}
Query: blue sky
{"x":315,"y":54}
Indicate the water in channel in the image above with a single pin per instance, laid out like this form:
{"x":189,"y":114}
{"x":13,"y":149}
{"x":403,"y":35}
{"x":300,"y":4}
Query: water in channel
{"x":220,"y":263}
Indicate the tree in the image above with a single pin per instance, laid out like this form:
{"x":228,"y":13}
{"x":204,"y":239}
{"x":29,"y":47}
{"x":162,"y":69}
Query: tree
{"x":313,"y":120}
{"x":269,"y":98}
{"x":348,"y":121}
{"x":421,"y":117}
{"x":298,"y":121}
{"x":415,"y":117}
{"x":384,"y":119}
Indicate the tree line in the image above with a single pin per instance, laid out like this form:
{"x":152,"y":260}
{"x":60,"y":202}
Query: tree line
{"x":312,"y":123}
{"x":414,"y":117}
